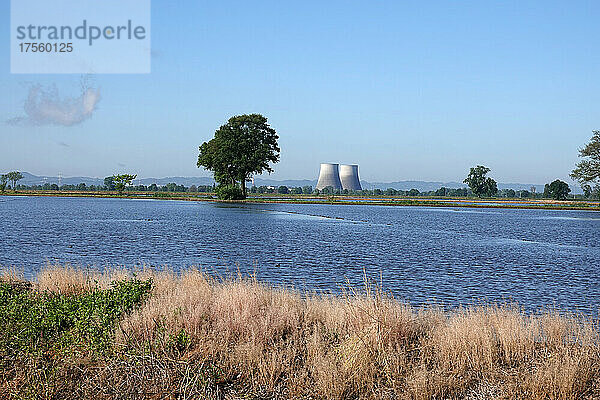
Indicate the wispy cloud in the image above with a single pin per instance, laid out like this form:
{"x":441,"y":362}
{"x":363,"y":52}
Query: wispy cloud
{"x":63,"y":144}
{"x":46,"y":107}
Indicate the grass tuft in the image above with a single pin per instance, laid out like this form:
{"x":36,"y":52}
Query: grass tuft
{"x":87,"y":334}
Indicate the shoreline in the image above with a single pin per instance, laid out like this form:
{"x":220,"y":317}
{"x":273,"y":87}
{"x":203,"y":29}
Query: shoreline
{"x":579,"y":205}
{"x":101,"y":334}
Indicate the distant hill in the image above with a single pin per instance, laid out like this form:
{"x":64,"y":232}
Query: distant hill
{"x":422,"y":186}
{"x":288,"y":183}
{"x":180,"y":180}
{"x":29,"y":179}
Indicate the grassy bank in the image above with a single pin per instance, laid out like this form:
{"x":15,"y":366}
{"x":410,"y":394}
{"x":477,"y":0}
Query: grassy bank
{"x":469,"y":202}
{"x":83,"y":334}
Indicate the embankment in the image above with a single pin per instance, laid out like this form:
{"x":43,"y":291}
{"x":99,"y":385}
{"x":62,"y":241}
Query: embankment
{"x":83,"y":334}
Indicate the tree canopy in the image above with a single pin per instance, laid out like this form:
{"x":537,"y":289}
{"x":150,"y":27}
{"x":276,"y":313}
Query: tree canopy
{"x":14,"y":177}
{"x":587,"y":171}
{"x":109,"y":183}
{"x":243,"y":147}
{"x":479,"y":184}
{"x":121,"y":181}
{"x":557,"y":190}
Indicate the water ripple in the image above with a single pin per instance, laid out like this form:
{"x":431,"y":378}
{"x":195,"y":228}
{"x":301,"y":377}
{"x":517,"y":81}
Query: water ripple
{"x":452,"y":256}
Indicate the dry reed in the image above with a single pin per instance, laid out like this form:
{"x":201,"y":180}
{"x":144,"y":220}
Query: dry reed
{"x":199,"y":337}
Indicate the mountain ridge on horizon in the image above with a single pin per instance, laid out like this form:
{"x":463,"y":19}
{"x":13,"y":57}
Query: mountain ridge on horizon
{"x":31,"y":179}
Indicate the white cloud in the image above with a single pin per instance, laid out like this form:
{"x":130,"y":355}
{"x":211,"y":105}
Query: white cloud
{"x":46,"y":107}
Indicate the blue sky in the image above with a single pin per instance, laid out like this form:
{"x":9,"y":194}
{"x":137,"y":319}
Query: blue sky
{"x":409,"y":90}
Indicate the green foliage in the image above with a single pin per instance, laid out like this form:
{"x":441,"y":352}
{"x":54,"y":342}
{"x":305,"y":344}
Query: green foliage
{"x":3,"y":182}
{"x":162,"y":195}
{"x":181,"y":341}
{"x":229,"y":192}
{"x":283,"y":190}
{"x":587,"y":171}
{"x":173,"y":187}
{"x":491,"y":187}
{"x":479,"y":184}
{"x":441,"y":192}
{"x":591,"y":192}
{"x":122,"y":181}
{"x":244,"y":146}
{"x":109,"y":183}
{"x":36,"y":323}
{"x":307,"y":189}
{"x":14,"y":177}
{"x":557,"y":190}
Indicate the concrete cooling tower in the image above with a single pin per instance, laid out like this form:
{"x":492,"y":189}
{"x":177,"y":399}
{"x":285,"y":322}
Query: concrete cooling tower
{"x":339,"y":177}
{"x":329,"y":176}
{"x":349,"y":177}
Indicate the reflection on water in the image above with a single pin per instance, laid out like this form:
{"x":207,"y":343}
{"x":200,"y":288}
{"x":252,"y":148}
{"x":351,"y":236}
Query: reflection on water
{"x":573,"y":218}
{"x":536,"y":243}
{"x":447,"y":255}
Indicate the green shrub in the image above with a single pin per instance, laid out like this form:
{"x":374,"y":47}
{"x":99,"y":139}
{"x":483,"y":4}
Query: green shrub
{"x":33,"y":322}
{"x":229,"y":192}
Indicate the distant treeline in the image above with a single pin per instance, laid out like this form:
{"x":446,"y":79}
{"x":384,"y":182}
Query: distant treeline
{"x":304,"y":190}
{"x":82,"y":187}
{"x":441,"y":192}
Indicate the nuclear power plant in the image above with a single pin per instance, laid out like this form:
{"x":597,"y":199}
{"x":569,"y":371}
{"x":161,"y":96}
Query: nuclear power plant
{"x":329,"y":176}
{"x":349,"y":177}
{"x":339,"y":177}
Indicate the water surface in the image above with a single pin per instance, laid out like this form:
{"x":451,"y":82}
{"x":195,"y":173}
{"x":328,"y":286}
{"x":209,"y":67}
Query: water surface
{"x":453,"y":256}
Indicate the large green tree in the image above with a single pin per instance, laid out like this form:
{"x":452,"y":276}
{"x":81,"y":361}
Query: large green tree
{"x":122,"y":181}
{"x":479,"y":183}
{"x":14,"y":177}
{"x":557,"y":190}
{"x":587,"y":171}
{"x":243,"y":147}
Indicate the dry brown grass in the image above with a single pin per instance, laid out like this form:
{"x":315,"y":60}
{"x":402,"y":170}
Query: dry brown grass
{"x":11,"y":275}
{"x":72,"y":280}
{"x":199,"y":337}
